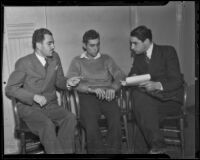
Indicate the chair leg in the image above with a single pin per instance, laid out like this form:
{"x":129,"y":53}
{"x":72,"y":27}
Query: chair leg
{"x":134,"y":136}
{"x":22,"y":143}
{"x":182,"y":137}
{"x":83,"y":140}
{"x":126,"y":132}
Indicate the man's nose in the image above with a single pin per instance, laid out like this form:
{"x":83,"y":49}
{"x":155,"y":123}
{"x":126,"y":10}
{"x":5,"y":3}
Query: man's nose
{"x":52,"y":46}
{"x":95,"y":48}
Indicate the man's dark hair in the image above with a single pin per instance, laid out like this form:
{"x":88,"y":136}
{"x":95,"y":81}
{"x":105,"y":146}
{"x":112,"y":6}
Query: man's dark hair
{"x":142,"y":33}
{"x":90,"y":34}
{"x":38,"y":36}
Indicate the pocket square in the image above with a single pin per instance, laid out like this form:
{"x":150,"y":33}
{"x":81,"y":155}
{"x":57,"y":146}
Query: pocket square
{"x":56,"y":67}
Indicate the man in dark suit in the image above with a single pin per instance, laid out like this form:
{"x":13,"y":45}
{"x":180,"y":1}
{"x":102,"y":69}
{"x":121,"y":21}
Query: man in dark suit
{"x":160,"y":96}
{"x":33,"y":83}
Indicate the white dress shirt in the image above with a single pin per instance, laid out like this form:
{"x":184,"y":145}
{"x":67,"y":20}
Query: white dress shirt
{"x":149,"y":51}
{"x":41,"y":59}
{"x":84,"y":55}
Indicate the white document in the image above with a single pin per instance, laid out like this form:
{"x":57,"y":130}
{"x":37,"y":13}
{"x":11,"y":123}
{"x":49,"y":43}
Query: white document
{"x":135,"y":80}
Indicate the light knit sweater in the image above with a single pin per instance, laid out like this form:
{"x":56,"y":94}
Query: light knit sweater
{"x":101,"y":72}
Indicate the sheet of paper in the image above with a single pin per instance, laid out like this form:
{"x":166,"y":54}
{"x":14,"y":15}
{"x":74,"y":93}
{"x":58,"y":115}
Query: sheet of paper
{"x":135,"y":80}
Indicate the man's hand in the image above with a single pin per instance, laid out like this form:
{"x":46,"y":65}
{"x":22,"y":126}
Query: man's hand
{"x":151,"y":85}
{"x":100,"y":93}
{"x":110,"y":94}
{"x":73,"y":81}
{"x":123,"y":83}
{"x":41,"y":100}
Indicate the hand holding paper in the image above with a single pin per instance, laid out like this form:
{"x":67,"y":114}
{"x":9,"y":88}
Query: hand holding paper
{"x":136,"y":80}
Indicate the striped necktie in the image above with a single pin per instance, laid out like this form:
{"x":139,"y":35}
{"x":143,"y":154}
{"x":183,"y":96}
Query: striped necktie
{"x":147,"y":59}
{"x":46,"y":64}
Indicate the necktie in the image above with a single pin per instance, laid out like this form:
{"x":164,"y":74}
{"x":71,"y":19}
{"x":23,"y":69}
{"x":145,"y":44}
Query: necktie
{"x":46,"y":64}
{"x":147,"y":59}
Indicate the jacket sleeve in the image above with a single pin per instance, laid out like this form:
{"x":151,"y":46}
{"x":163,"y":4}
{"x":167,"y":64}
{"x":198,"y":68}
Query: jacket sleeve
{"x":173,"y":79}
{"x":134,"y":69}
{"x":14,"y":87}
{"x":74,"y":71}
{"x":60,"y":78}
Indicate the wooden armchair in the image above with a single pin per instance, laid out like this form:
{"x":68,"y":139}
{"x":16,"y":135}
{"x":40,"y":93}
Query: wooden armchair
{"x":30,"y":143}
{"x":173,"y":127}
{"x":122,"y":102}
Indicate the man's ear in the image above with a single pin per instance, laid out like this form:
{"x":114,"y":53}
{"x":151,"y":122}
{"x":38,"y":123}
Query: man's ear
{"x":84,"y":46}
{"x":38,"y":45}
{"x":147,"y":41}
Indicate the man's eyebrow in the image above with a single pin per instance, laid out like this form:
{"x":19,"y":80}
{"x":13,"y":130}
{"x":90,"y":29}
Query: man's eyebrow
{"x":94,"y":44}
{"x":134,"y":42}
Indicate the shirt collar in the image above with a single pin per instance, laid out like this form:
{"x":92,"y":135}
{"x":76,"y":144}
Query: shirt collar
{"x":84,"y":55}
{"x":149,"y":51}
{"x":41,"y":59}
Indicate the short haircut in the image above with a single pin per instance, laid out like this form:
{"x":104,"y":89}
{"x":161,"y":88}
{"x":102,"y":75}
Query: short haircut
{"x":142,"y":33}
{"x":38,"y":36}
{"x":90,"y":34}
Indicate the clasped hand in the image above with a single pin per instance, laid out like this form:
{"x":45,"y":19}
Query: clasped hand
{"x":108,"y":94}
{"x":41,"y":100}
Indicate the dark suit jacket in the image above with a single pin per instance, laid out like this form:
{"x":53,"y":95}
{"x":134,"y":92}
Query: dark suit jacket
{"x":30,"y":78}
{"x":163,"y":67}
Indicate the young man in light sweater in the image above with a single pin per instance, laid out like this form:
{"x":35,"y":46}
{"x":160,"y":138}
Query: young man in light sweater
{"x":97,"y":92}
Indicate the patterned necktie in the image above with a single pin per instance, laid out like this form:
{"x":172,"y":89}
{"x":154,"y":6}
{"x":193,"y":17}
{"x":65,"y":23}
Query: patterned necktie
{"x":147,"y":59}
{"x":46,"y":64}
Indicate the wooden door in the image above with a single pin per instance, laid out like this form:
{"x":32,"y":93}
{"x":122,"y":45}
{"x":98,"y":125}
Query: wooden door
{"x":19,"y":25}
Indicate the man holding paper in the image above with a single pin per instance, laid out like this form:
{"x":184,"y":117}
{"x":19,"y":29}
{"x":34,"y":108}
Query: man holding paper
{"x":158,"y":93}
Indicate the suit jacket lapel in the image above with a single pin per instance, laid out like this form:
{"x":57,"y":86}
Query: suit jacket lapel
{"x":38,"y":65}
{"x":50,"y":72}
{"x":154,"y":58}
